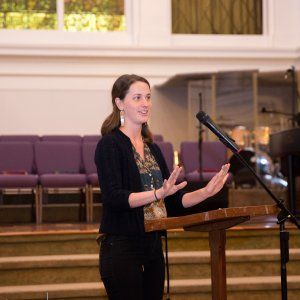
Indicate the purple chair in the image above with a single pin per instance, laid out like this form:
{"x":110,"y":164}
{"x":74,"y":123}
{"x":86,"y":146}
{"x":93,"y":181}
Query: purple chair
{"x":58,"y":165}
{"x":158,"y":138}
{"x":61,"y":138}
{"x":168,"y":153}
{"x":214,"y":155}
{"x":91,"y":138}
{"x":88,"y":153}
{"x":16,"y":164}
{"x":20,"y":138}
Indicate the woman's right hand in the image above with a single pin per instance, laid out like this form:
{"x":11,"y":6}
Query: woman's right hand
{"x":169,"y":186}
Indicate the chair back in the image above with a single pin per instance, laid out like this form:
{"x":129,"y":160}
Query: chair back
{"x":214,"y":155}
{"x":158,"y":138}
{"x":16,"y":157}
{"x":168,"y":153}
{"x":88,"y":154}
{"x":91,"y":138}
{"x":189,"y":156}
{"x":57,"y":157}
{"x":20,"y":138}
{"x":62,"y":138}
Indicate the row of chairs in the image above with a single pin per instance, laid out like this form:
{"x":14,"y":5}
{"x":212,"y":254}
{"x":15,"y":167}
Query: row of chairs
{"x":49,"y":167}
{"x":50,"y":164}
{"x":46,"y":167}
{"x":49,"y":138}
{"x":60,"y":138}
{"x":214,"y":155}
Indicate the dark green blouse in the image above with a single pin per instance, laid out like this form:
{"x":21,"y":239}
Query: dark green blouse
{"x":151,"y":179}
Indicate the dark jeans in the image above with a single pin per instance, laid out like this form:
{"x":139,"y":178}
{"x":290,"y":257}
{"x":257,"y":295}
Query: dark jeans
{"x":132,"y":268}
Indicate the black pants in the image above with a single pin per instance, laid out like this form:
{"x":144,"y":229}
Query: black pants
{"x":132,"y":268}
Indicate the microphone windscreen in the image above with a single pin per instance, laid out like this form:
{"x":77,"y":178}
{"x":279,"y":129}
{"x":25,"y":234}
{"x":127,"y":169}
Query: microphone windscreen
{"x":202,"y":116}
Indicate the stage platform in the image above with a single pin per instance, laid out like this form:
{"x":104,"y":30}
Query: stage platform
{"x":60,"y":260}
{"x":258,"y":223}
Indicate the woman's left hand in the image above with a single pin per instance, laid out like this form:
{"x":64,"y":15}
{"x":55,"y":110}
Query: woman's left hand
{"x":217,"y":182}
{"x":169,"y":186}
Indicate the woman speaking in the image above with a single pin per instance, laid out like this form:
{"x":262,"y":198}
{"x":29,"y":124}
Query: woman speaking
{"x":136,"y":186}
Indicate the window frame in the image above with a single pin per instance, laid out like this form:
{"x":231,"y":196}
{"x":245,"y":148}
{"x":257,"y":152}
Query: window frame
{"x":218,"y":40}
{"x":59,"y":38}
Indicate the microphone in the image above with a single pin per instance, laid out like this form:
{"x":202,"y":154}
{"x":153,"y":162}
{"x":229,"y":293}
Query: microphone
{"x":223,"y":137}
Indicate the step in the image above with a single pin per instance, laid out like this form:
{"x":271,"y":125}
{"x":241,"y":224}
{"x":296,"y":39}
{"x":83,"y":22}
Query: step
{"x":236,"y":238}
{"x":84,"y":242}
{"x":21,"y":270}
{"x":29,"y":270}
{"x":84,"y":290}
{"x":258,"y":262}
{"x":248,"y":288}
{"x":52,"y":213}
{"x":51,"y":243}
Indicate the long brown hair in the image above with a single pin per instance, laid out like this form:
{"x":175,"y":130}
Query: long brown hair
{"x":120,"y":90}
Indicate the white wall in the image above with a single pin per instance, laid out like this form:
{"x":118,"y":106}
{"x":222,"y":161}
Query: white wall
{"x":170,"y":114}
{"x":58,"y":82}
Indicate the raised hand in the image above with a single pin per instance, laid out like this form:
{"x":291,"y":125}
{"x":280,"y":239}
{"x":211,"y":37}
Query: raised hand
{"x":169,"y":186}
{"x":217,"y":182}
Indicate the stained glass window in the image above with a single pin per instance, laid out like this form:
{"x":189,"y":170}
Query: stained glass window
{"x":217,"y":16}
{"x":94,"y":15}
{"x":28,"y":14}
{"x":77,"y":15}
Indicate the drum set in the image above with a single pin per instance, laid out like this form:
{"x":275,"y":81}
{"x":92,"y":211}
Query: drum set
{"x":255,"y":150}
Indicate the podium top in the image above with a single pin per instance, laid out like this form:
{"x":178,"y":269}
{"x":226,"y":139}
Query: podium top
{"x":208,"y":219}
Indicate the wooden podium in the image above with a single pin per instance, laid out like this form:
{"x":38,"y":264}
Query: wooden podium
{"x":215,"y":222}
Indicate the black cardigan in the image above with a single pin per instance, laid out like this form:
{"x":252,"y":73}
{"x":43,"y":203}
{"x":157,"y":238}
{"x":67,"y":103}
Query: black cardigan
{"x":118,"y":177}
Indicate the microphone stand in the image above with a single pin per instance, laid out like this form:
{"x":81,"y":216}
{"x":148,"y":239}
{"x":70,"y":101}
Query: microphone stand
{"x":282,"y":216}
{"x":200,"y":142}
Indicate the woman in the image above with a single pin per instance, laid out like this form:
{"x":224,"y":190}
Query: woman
{"x":136,"y":186}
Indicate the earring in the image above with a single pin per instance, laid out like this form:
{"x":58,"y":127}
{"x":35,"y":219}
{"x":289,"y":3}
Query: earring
{"x":122,"y":118}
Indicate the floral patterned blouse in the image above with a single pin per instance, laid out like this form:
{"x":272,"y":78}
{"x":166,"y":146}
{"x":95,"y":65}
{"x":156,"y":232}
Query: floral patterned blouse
{"x":151,"y":179}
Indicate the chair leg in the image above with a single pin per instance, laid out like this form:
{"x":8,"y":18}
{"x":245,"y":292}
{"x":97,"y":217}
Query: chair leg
{"x":1,"y":197}
{"x":40,"y":205}
{"x":91,"y":204}
{"x":87,"y":203}
{"x":34,"y":206}
{"x":82,"y":200}
{"x":32,"y":210}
